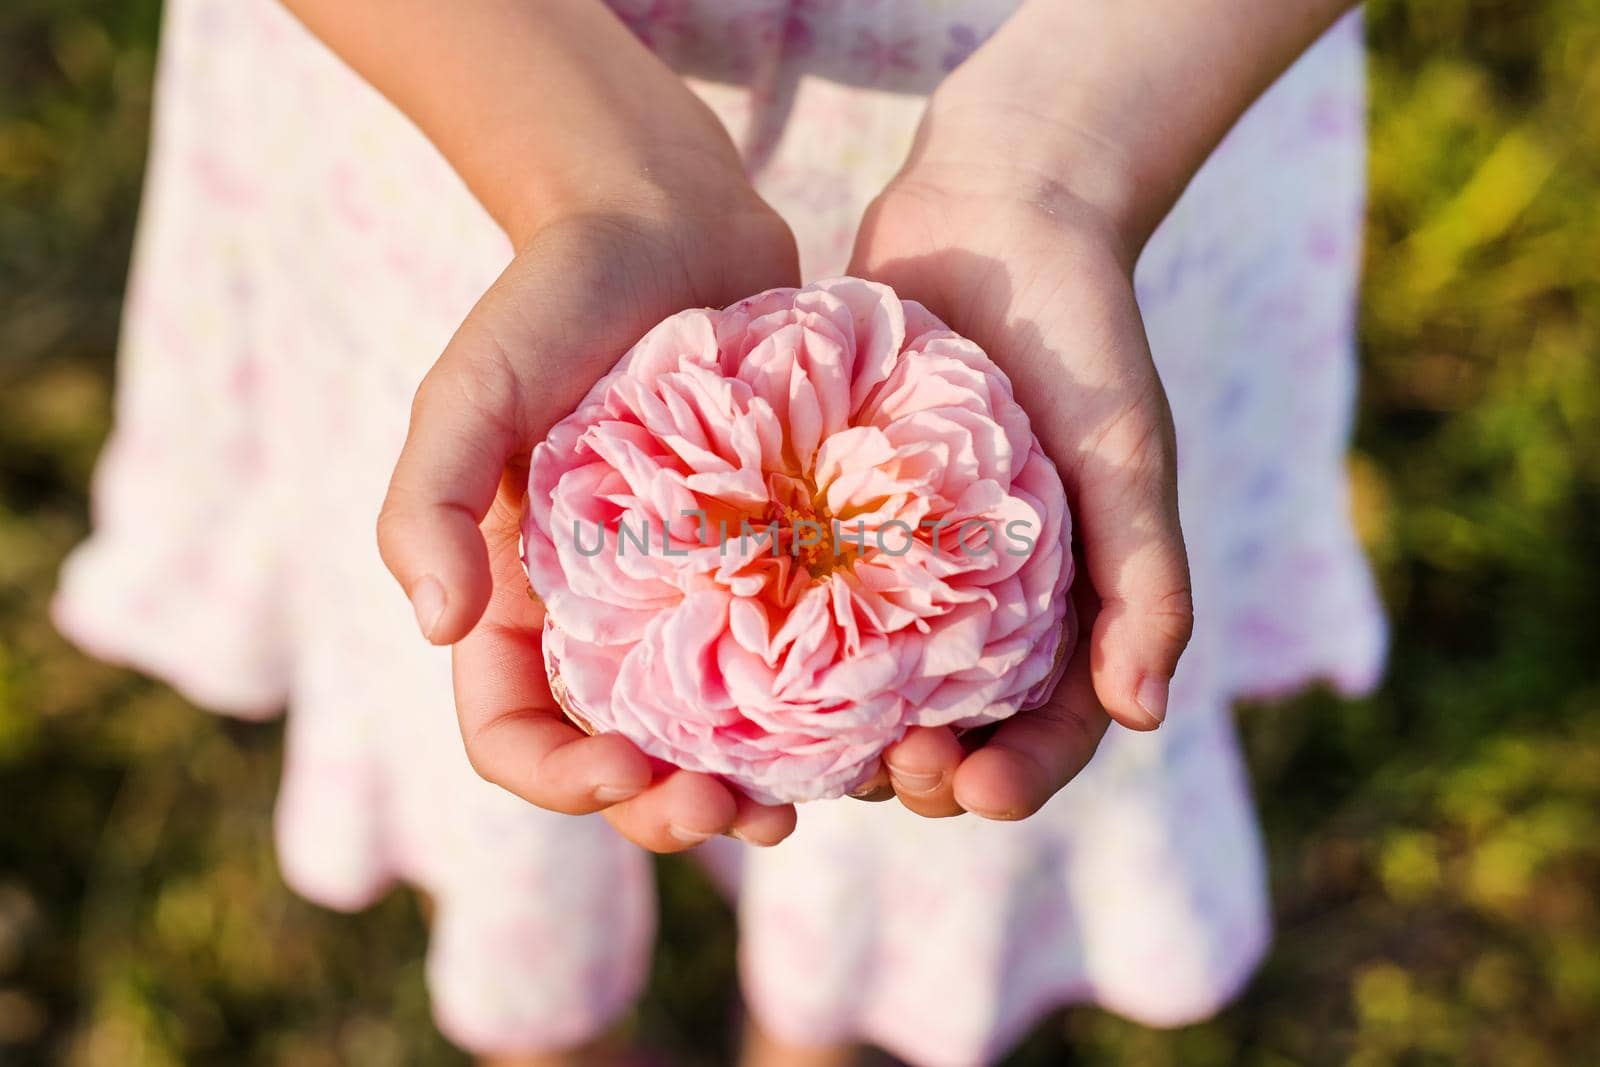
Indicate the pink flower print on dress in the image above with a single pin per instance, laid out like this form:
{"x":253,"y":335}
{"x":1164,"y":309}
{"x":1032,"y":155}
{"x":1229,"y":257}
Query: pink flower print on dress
{"x":964,"y":41}
{"x":879,"y":56}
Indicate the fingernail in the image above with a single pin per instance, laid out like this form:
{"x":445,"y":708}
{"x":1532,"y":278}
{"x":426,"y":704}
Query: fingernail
{"x":614,"y":794}
{"x":687,"y":836}
{"x":427,"y":600}
{"x":995,"y":814}
{"x":915,"y":783}
{"x":1152,"y":697}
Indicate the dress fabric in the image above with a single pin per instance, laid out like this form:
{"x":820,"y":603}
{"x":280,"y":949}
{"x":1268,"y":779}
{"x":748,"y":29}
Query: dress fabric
{"x":304,"y":255}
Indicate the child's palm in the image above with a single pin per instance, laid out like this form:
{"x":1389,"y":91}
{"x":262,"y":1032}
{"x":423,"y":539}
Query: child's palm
{"x":555,"y":321}
{"x":1045,"y":289}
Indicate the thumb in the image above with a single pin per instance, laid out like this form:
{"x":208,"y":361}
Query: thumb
{"x":1134,"y":555}
{"x":520,"y":360}
{"x":462,"y":433}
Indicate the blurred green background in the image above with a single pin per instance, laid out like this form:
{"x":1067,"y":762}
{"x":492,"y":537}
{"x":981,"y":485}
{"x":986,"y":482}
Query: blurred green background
{"x":1436,"y":849}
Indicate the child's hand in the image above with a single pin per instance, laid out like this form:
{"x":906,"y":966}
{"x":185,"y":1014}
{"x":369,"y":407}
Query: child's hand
{"x":1043,"y":164}
{"x":584,"y":288}
{"x":1042,"y":281}
{"x":627,"y":201}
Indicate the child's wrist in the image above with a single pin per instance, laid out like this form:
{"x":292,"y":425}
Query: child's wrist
{"x":984,"y":147}
{"x":693,"y":211}
{"x":1115,"y":106}
{"x":682,"y":179}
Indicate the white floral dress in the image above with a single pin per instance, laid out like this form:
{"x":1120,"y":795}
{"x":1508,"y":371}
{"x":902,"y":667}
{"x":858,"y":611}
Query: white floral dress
{"x":304,"y":256}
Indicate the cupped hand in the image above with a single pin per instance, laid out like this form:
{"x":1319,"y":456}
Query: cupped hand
{"x":1043,"y":282}
{"x":576,"y":296}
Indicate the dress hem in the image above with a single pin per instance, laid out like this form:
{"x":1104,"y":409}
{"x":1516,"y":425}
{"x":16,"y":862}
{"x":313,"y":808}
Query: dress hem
{"x":154,"y":653}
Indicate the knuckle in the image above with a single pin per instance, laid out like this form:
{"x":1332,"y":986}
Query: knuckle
{"x":485,"y":751}
{"x":422,"y":397}
{"x":385,"y":530}
{"x":391,"y":537}
{"x":1074,"y":729}
{"x":1150,"y":450}
{"x":390,"y":521}
{"x":1173,"y":616}
{"x":1137,"y":442}
{"x":485,"y":387}
{"x":482,"y":385}
{"x":478,"y":758}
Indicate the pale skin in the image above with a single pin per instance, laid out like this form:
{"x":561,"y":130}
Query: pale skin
{"x":1041,"y":168}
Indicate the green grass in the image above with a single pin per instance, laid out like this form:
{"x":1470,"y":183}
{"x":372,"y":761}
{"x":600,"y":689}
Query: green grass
{"x":1436,"y":848}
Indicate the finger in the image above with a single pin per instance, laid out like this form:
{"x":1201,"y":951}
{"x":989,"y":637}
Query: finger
{"x":521,"y":360}
{"x":1118,"y":458}
{"x":1032,"y":755}
{"x":759,"y":824}
{"x":1094,"y":398}
{"x":876,"y":788}
{"x":474,"y":412}
{"x":546,"y":761}
{"x":515,"y":734}
{"x":681,"y":810}
{"x":1136,"y":561}
{"x":922,"y":767}
{"x":1116,"y":450}
{"x":463,"y":429}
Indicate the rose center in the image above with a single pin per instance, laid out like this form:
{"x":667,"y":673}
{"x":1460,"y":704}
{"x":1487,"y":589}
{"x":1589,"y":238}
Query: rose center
{"x":806,"y":530}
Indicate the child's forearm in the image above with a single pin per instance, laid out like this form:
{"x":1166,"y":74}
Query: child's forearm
{"x":541,"y":107}
{"x":1124,"y":99}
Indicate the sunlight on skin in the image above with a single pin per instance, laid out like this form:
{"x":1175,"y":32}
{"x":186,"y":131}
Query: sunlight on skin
{"x":652,"y":201}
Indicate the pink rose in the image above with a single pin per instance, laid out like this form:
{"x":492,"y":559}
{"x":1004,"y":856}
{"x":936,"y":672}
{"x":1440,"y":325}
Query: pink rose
{"x":777,"y":535}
